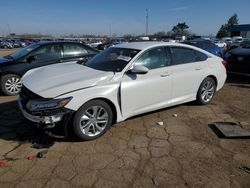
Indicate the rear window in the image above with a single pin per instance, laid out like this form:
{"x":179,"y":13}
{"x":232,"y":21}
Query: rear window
{"x":182,"y":55}
{"x":71,"y":50}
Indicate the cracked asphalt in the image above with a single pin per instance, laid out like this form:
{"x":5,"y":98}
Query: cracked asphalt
{"x":139,"y":152}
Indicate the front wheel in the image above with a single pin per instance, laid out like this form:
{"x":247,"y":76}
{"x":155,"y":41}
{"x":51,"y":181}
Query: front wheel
{"x":206,"y":91}
{"x":92,"y":120}
{"x":11,"y":84}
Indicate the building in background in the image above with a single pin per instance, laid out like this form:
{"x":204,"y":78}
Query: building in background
{"x":239,"y":30}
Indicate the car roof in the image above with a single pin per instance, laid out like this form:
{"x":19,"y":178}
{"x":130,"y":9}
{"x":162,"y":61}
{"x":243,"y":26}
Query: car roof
{"x":64,"y":42}
{"x":58,"y":42}
{"x":148,"y":44}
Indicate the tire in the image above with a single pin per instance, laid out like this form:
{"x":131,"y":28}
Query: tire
{"x":206,"y":91}
{"x":11,"y":84}
{"x":87,"y":125}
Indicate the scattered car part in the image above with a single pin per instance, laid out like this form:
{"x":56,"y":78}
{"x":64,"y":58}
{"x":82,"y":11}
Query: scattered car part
{"x":3,"y":163}
{"x":245,"y":169}
{"x":42,"y":154}
{"x":231,"y":129}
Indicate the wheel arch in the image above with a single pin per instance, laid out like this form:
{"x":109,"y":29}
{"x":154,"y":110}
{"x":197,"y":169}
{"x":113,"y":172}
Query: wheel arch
{"x":214,"y":78}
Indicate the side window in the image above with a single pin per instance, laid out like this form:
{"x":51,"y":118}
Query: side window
{"x":48,"y":52}
{"x":152,"y":59}
{"x":72,"y":50}
{"x":199,"y":56}
{"x":182,"y":55}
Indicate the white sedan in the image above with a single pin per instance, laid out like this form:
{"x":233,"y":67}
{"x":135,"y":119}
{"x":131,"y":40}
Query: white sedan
{"x":120,"y":82}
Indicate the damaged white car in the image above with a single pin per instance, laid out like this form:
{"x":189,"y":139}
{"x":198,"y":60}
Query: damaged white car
{"x":120,"y":82}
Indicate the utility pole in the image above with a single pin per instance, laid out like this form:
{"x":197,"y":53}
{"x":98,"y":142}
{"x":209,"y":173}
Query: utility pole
{"x":110,"y":33}
{"x":8,"y":29}
{"x":147,"y":22}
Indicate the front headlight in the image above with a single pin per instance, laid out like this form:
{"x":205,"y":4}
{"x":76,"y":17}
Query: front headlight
{"x":45,"y":104}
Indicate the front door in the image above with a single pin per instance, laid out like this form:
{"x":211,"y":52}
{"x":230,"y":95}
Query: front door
{"x":150,"y":91}
{"x":45,"y":55}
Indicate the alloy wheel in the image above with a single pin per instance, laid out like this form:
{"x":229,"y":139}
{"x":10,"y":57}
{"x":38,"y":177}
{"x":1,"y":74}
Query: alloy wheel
{"x":13,"y":85}
{"x":207,"y":91}
{"x":94,"y":121}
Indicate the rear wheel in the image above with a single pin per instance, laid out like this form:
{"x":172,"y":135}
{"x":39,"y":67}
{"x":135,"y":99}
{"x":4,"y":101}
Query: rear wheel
{"x":206,"y":91}
{"x":92,"y":120}
{"x":11,"y":84}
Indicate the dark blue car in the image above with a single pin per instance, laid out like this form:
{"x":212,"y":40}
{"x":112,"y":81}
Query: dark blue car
{"x":206,"y":45}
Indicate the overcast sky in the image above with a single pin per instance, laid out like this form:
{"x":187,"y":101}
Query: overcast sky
{"x":62,"y":17}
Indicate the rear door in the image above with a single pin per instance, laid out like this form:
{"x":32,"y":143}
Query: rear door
{"x":188,"y":70}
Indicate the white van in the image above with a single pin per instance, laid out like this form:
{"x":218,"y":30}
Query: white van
{"x":237,"y":39}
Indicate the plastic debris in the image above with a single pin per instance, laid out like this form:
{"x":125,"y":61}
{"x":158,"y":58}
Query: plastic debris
{"x":3,"y":163}
{"x":175,"y":115}
{"x":46,"y":144}
{"x":245,"y":169}
{"x":155,"y":182}
{"x":31,"y":157}
{"x":42,"y":154}
{"x":160,"y":123}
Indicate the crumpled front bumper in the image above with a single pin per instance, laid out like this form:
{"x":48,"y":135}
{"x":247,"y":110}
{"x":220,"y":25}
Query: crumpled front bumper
{"x":41,"y":119}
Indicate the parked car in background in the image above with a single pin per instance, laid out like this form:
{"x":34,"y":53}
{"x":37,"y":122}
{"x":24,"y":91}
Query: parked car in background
{"x":122,"y":81}
{"x":111,"y":43}
{"x":220,"y":43}
{"x":206,"y":45}
{"x":227,"y":40}
{"x":94,"y":44}
{"x":238,"y":59}
{"x":237,"y":39}
{"x":6,"y":44}
{"x":13,"y":66}
{"x":18,"y":44}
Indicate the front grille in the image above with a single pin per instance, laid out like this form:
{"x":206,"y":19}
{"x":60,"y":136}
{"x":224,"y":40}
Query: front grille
{"x":26,"y":95}
{"x":50,"y":112}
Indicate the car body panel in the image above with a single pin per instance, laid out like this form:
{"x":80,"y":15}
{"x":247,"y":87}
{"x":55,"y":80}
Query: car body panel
{"x":53,"y":84}
{"x":137,"y":98}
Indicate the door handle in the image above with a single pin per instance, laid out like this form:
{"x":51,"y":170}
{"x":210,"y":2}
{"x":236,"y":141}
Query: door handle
{"x":165,"y":74}
{"x":198,"y":68}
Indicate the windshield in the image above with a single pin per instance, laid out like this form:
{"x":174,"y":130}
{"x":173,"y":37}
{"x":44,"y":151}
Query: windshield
{"x":24,"y":51}
{"x":112,"y":59}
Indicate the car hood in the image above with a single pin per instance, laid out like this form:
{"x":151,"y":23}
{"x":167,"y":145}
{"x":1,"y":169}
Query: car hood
{"x":4,"y":60}
{"x":54,"y":80}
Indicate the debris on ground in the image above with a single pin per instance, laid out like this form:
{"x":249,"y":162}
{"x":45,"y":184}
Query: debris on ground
{"x":245,"y":169}
{"x":42,"y":154}
{"x":160,"y":123}
{"x":42,"y":145}
{"x":155,"y":182}
{"x":31,"y":157}
{"x":231,"y":129}
{"x":175,"y":115}
{"x":3,"y":163}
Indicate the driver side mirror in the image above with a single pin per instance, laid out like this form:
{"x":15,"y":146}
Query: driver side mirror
{"x":30,"y":59}
{"x":138,"y":69}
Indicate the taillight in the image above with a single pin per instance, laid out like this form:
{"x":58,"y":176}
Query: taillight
{"x":224,"y":63}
